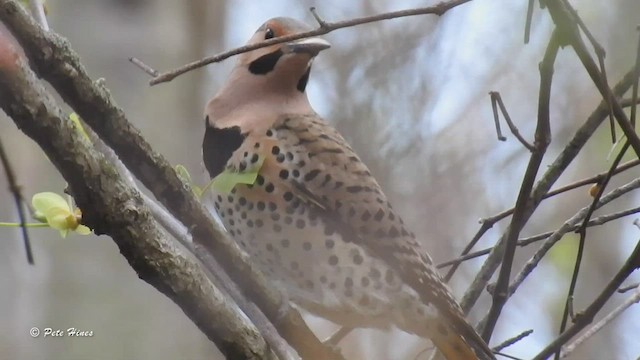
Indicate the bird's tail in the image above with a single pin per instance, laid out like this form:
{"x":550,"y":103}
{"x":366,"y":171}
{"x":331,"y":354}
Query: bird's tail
{"x":458,"y":345}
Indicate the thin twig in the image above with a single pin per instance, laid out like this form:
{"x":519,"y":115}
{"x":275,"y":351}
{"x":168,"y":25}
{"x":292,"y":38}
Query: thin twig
{"x":583,"y":236}
{"x":586,"y":317}
{"x":634,"y":89}
{"x":552,"y":174}
{"x":600,"y":54}
{"x":324,"y":28}
{"x":574,"y":221}
{"x":564,"y":19}
{"x":527,"y":23}
{"x":539,"y":237}
{"x":512,"y":340}
{"x":633,"y":299}
{"x":323,"y":24}
{"x":146,"y":68}
{"x":596,"y":179}
{"x":485,"y":225}
{"x":565,"y":228}
{"x":496,"y":117}
{"x":624,"y":289}
{"x":496,"y":98}
{"x":15,"y":190}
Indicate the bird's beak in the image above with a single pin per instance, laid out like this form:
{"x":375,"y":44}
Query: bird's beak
{"x":311,"y":46}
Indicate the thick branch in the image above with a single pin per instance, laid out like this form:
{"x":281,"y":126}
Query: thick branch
{"x":61,"y":67}
{"x":111,"y":207}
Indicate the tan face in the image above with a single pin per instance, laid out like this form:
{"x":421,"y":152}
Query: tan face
{"x":286,"y":63}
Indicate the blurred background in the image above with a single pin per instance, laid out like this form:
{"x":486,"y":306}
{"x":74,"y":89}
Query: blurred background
{"x":411,"y":96}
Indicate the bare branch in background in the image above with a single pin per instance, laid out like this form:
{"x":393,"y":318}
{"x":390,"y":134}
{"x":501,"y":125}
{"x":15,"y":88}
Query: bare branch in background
{"x":532,"y":239}
{"x":519,"y":218}
{"x":512,"y":340}
{"x":552,"y":174}
{"x":18,"y":199}
{"x":586,"y":317}
{"x":631,"y":300}
{"x":496,"y":100}
{"x":634,"y":90}
{"x":624,"y":289}
{"x":527,"y":22}
{"x":582,"y":230}
{"x":564,"y":17}
{"x":564,"y":229}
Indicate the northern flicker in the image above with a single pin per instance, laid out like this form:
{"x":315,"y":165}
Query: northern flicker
{"x":311,"y":215}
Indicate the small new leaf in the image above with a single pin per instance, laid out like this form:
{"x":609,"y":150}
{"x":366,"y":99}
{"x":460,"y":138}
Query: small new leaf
{"x":228,"y":179}
{"x":183,"y":174}
{"x":52,"y":209}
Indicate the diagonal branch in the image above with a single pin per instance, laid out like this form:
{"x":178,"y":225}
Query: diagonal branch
{"x":60,"y":66}
{"x":600,"y":220}
{"x":562,"y":17}
{"x":553,"y":173}
{"x":631,"y":300}
{"x":111,"y":207}
{"x":323,"y":28}
{"x":519,"y":218}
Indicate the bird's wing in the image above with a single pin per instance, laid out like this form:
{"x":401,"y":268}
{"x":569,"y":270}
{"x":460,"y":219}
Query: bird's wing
{"x":339,"y":187}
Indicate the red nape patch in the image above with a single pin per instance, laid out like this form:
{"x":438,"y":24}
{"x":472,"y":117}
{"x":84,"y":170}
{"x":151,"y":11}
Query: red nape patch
{"x":278,"y":28}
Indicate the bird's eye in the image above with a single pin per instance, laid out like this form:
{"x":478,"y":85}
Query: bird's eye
{"x":269,"y":34}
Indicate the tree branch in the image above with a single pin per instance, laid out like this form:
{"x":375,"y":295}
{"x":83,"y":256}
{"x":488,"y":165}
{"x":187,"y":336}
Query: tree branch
{"x":15,"y":190}
{"x":60,"y":66}
{"x":214,"y":271}
{"x":557,"y":167}
{"x":323,"y":28}
{"x":561,"y":13}
{"x":586,"y":317}
{"x":600,"y":220}
{"x":631,"y":300}
{"x":519,"y":218}
{"x":111,"y":207}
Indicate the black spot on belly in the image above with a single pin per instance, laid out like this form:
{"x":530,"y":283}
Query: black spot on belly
{"x":218,"y":146}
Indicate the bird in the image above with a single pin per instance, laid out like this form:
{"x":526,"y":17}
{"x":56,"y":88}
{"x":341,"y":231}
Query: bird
{"x":296,"y":197}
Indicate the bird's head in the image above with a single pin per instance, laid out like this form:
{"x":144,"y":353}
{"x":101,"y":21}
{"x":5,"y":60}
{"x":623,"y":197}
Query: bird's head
{"x":286,"y":65}
{"x":270,"y":80}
